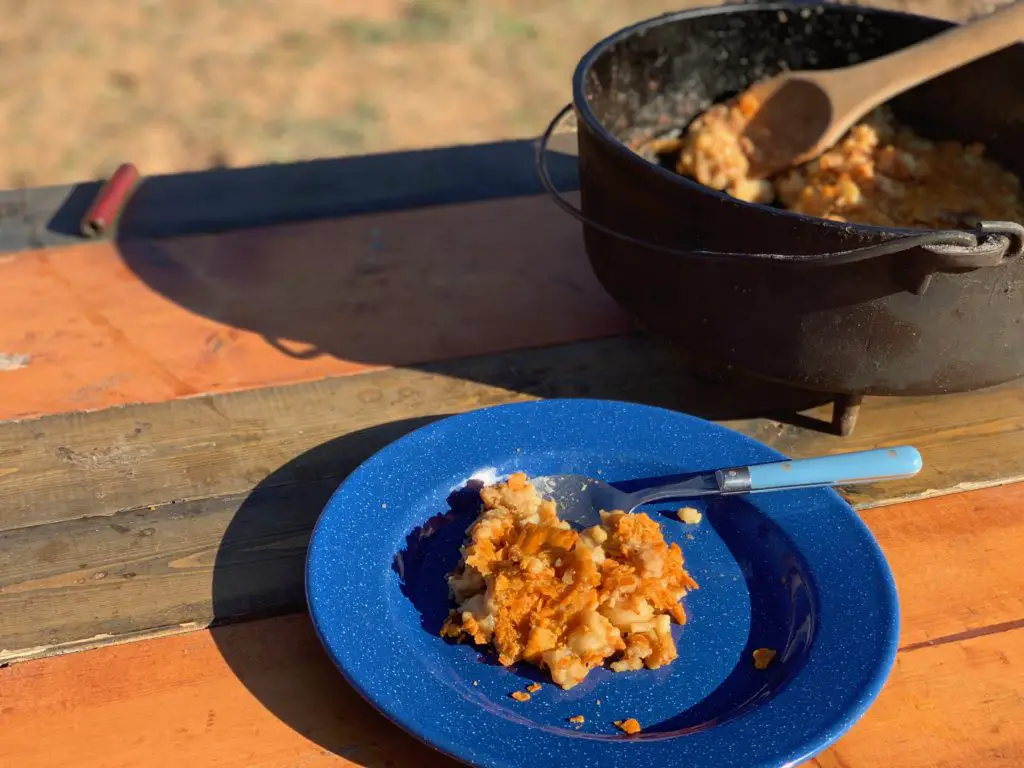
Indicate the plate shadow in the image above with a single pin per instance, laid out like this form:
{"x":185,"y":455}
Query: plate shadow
{"x":259,"y":572}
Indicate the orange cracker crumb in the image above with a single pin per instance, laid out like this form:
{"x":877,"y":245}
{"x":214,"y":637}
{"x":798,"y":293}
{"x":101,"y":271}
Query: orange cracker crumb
{"x":629,"y":726}
{"x":533,"y":687}
{"x":520,"y":695}
{"x":577,"y":720}
{"x":763,"y":657}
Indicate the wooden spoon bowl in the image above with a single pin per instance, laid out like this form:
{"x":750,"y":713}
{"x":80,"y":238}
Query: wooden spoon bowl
{"x":798,"y":115}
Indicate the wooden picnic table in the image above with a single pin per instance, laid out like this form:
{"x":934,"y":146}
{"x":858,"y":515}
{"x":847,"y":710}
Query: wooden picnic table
{"x":178,"y":402}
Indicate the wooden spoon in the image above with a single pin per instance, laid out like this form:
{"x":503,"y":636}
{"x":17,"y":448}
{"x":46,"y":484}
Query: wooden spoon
{"x":796,"y":116}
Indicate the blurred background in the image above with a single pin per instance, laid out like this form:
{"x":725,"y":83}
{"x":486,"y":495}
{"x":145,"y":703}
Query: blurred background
{"x":175,"y":85}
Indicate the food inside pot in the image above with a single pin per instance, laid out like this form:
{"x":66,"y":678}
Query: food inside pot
{"x":882,"y":173}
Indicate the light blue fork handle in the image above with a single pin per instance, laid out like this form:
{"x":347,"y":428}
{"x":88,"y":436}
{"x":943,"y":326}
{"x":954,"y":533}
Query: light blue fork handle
{"x":841,"y":469}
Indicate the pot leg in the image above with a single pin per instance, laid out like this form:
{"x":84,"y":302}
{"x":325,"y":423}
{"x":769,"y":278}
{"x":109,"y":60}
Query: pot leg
{"x":845,"y":411}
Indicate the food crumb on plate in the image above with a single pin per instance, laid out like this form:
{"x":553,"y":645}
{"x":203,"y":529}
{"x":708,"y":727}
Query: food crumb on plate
{"x":520,"y":695}
{"x":763,"y":657}
{"x":533,"y":687}
{"x":577,"y":720}
{"x":689,"y":515}
{"x":629,"y":726}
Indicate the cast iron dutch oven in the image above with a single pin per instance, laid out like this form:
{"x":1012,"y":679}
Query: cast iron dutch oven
{"x":818,"y":304}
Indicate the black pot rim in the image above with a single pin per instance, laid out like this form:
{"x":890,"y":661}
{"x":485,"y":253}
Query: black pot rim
{"x":591,"y":123}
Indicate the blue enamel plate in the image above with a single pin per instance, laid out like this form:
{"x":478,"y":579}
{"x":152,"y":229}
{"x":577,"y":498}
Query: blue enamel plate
{"x":793,"y":571}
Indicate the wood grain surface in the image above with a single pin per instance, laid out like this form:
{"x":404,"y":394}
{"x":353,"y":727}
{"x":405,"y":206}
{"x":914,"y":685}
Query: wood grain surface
{"x":262,"y":694}
{"x":153,"y":517}
{"x":175,"y":413}
{"x":103,"y":324}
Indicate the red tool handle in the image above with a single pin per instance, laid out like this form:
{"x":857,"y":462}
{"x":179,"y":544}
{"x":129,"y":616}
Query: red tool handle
{"x":110,"y":201}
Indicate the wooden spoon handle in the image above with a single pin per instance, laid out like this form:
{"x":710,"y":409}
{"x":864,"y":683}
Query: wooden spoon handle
{"x":891,"y":75}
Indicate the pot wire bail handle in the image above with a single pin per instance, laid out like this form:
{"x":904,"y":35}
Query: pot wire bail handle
{"x":991,"y":244}
{"x":544,"y":174}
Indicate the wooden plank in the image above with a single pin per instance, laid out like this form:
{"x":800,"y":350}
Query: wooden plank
{"x":955,"y":561}
{"x":263,"y":695}
{"x":176,"y":701}
{"x":967,"y":441}
{"x":89,"y":581}
{"x":69,"y":466}
{"x":179,"y":566}
{"x":955,"y":705}
{"x":102,"y":324}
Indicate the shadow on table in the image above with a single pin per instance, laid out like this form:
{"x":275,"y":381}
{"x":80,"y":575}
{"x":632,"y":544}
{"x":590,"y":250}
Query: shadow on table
{"x":259,"y":572}
{"x":457,"y":283}
{"x":418,"y":288}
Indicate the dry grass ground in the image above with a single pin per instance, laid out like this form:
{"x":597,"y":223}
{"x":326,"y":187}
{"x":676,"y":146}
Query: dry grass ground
{"x":188,"y":84}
